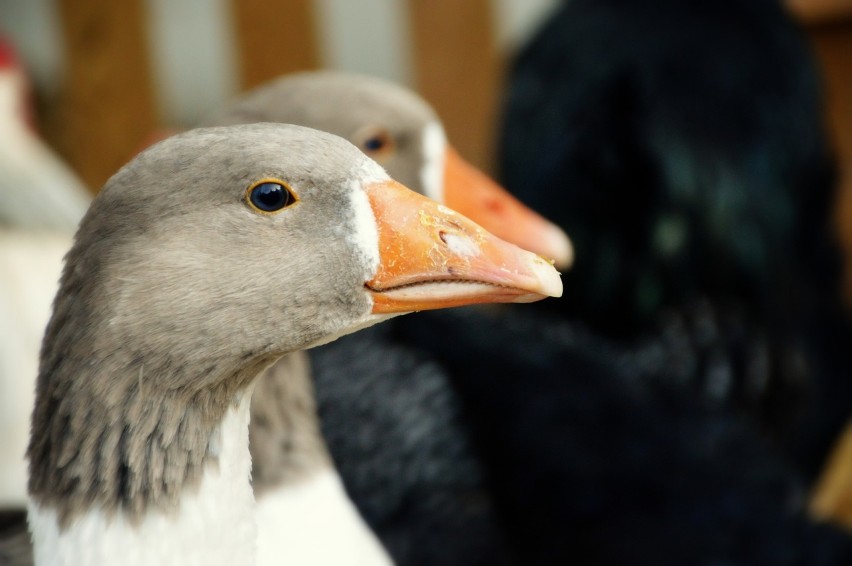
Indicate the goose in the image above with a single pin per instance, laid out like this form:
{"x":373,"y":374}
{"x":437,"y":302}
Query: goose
{"x":291,"y":462}
{"x":402,"y":132}
{"x":412,"y":515}
{"x":204,"y":259}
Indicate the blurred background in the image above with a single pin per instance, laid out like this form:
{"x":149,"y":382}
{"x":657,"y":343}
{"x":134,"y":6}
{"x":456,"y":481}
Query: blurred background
{"x":105,"y":75}
{"x":110,"y":73}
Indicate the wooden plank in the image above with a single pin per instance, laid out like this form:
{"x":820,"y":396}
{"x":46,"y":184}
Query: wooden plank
{"x":832,"y":497}
{"x":106,"y":103}
{"x":820,"y":11}
{"x":833,"y":47}
{"x":831,"y":500}
{"x":458,"y":69}
{"x":274,"y":37}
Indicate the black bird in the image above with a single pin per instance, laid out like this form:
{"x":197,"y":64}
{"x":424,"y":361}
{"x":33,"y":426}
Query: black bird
{"x":681,"y":146}
{"x":675,"y":406}
{"x":409,"y":465}
{"x":591,"y":458}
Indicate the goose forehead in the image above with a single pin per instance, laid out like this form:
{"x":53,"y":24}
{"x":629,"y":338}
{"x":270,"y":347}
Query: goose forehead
{"x":388,"y":105}
{"x":202,"y":191}
{"x":212,"y":166}
{"x":331,"y":101}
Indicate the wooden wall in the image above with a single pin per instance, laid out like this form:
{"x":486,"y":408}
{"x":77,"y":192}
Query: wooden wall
{"x":458,"y":69}
{"x":829,"y":25}
{"x":274,"y":37}
{"x":106,"y":106}
{"x":830,"y":30}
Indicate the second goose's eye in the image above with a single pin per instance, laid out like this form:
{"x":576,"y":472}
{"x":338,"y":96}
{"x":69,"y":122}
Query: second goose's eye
{"x":270,"y":196}
{"x":375,"y":142}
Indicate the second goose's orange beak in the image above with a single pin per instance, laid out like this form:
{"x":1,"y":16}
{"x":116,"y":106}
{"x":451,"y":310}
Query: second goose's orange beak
{"x":472,"y":193}
{"x":431,"y":257}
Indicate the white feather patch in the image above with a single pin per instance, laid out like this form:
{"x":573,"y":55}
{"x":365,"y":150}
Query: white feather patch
{"x":366,"y":234}
{"x":314,"y":522}
{"x":214,"y":525}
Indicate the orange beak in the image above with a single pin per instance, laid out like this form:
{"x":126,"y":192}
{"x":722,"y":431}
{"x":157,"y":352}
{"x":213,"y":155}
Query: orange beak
{"x":432,"y":257}
{"x":472,"y":193}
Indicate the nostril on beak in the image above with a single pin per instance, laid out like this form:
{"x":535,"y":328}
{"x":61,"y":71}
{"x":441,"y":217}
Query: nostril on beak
{"x":443,"y":236}
{"x":494,"y":206}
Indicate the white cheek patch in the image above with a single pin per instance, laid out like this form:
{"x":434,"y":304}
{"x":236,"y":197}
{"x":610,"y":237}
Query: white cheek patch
{"x":365,"y":236}
{"x":434,"y":155}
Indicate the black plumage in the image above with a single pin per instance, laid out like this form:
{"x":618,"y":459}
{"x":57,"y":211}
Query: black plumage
{"x":673,"y":407}
{"x":593,"y":457}
{"x":15,"y":545}
{"x":681,"y":146}
{"x":407,"y":462}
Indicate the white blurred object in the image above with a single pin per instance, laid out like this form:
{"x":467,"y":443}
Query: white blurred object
{"x":41,"y":202}
{"x":37,"y":190}
{"x":31,"y":264}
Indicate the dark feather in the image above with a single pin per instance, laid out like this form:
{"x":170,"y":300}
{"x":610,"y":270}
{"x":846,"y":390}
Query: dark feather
{"x":681,"y":146}
{"x":592,"y":459}
{"x":673,"y":406}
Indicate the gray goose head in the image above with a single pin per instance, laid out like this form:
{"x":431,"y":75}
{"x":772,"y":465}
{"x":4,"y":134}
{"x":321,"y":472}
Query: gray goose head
{"x":200,"y":262}
{"x":401,"y":132}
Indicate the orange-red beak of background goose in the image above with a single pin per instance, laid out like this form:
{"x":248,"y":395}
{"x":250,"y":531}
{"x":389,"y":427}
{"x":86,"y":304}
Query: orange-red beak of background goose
{"x":431,"y":257}
{"x":472,"y":193}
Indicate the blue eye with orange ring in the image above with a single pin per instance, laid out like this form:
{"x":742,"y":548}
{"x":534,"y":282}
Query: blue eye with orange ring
{"x":269,"y":196}
{"x":375,"y":141}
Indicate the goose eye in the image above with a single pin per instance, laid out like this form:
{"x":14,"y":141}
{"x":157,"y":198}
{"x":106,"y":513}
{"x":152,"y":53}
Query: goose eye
{"x":375,"y":142}
{"x":270,"y":196}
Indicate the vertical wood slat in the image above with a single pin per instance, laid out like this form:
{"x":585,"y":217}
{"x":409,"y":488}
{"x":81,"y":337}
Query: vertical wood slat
{"x":274,"y":37}
{"x":833,"y":46}
{"x":105,"y":105}
{"x":832,"y":498}
{"x":459,"y":71}
{"x":832,"y":41}
{"x":820,"y":11}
